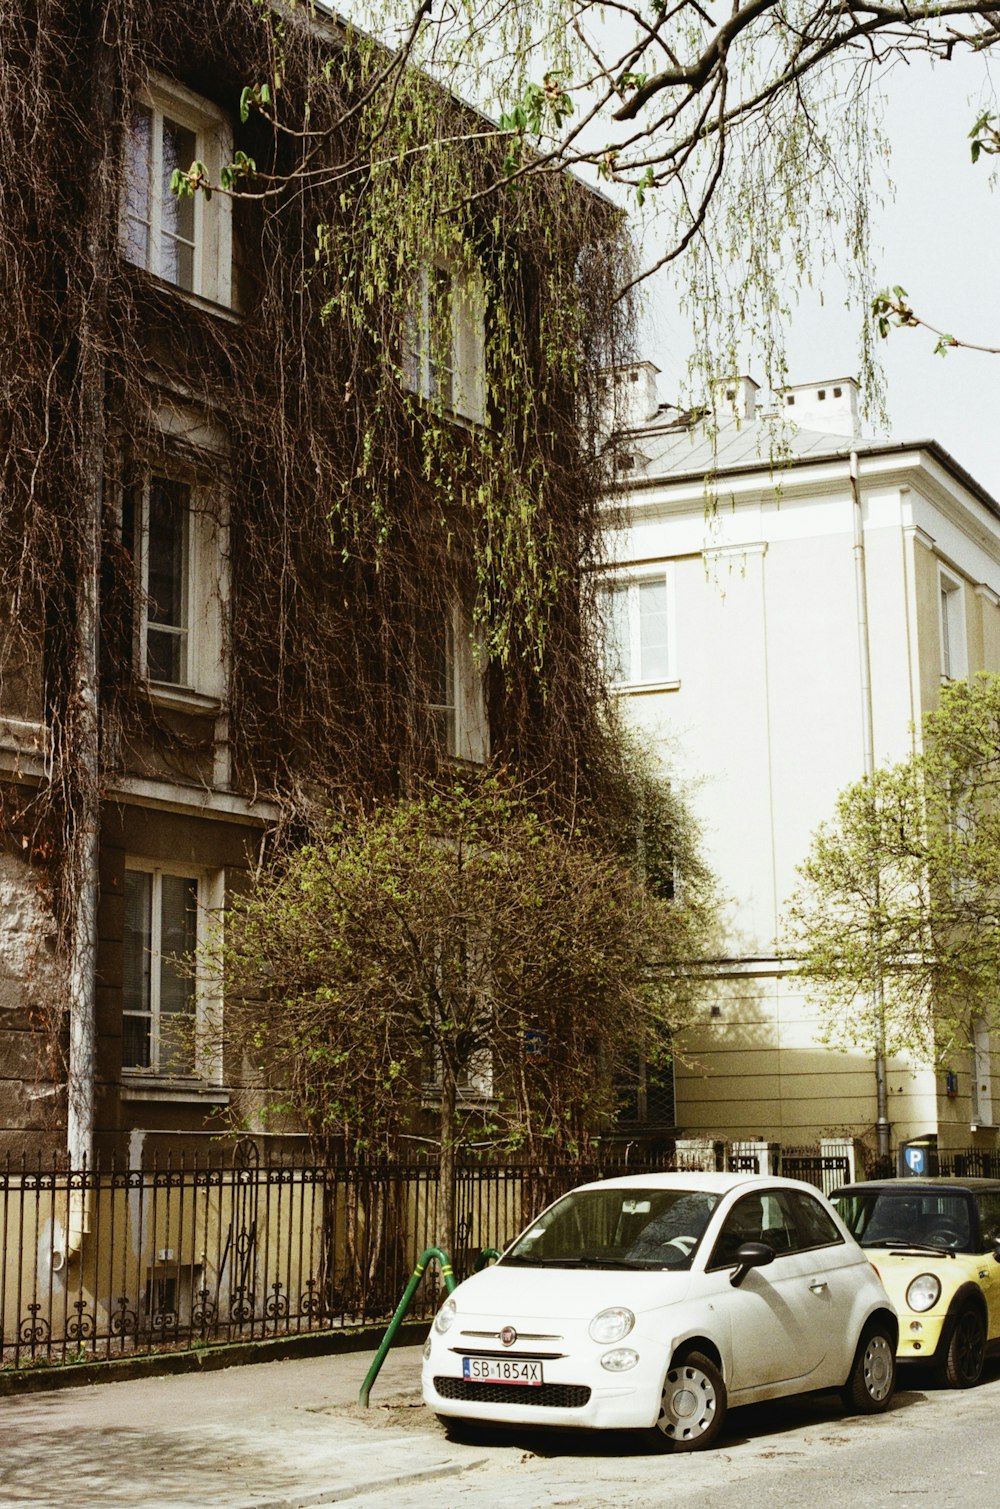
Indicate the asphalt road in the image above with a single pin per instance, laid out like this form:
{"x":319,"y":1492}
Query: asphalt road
{"x":287,"y":1435}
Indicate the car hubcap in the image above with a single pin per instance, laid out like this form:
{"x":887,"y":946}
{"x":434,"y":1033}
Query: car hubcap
{"x":878,"y":1368}
{"x":688,"y":1406}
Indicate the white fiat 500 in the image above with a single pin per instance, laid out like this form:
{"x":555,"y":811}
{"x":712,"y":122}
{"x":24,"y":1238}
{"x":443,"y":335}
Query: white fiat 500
{"x":655,"y":1302}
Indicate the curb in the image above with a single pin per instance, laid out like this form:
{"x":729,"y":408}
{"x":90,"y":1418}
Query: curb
{"x":204,"y":1359}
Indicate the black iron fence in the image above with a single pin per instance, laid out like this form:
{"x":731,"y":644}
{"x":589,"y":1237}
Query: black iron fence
{"x":105,"y":1264}
{"x":100,"y":1265}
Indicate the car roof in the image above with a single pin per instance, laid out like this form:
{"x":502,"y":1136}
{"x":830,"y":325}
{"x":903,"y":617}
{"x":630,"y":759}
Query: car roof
{"x":694,"y":1179}
{"x":972,"y":1184}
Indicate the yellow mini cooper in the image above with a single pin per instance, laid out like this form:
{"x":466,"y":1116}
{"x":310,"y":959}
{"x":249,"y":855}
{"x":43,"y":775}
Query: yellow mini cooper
{"x":936,"y":1246}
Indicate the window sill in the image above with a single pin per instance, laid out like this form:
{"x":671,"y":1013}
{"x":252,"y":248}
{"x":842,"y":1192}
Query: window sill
{"x":469,"y":1100}
{"x":644,"y":688}
{"x":187,"y":295}
{"x":183,"y":699}
{"x":193,"y":1091}
{"x":474,"y":423}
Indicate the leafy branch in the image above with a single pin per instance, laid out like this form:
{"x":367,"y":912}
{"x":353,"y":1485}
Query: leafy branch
{"x":891,"y":309}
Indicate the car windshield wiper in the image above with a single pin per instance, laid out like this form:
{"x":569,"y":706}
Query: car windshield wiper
{"x":903,"y":1244}
{"x":574,"y":1262}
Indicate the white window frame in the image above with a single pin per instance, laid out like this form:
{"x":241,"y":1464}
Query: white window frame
{"x":951,"y":627}
{"x":204,"y":589}
{"x":631,"y":583}
{"x":181,"y":632}
{"x":212,"y":235}
{"x":206,"y":1006}
{"x":463,"y":717}
{"x":465,"y":361}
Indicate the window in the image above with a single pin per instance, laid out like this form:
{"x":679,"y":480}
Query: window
{"x":443,"y":349}
{"x":813,"y":1223}
{"x":454,"y":688}
{"x":162,"y":997}
{"x":981,"y":1070}
{"x":646,"y":1094}
{"x":174,"y":531}
{"x":954,"y":661}
{"x":184,"y":240}
{"x":156,"y":529}
{"x":444,"y":690}
{"x":637,"y":623}
{"x":474,"y":1080}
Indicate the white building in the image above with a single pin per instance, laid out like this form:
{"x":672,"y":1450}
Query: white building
{"x":774,"y":628}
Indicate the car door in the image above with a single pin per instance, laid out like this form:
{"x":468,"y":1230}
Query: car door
{"x":833,"y":1266}
{"x":778,"y":1323}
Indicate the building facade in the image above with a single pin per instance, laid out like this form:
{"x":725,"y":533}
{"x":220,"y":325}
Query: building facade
{"x":784,"y":601}
{"x":249,"y":443}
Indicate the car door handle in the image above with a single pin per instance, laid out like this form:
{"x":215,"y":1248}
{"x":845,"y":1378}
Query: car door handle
{"x":818,"y":1285}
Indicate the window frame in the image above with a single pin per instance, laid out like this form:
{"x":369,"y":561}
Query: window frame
{"x":201,"y":684}
{"x":212,"y":252}
{"x":422,"y":350}
{"x":631,"y":582}
{"x":953,"y":644}
{"x":463,"y":719}
{"x":141,"y":491}
{"x":205,"y":1011}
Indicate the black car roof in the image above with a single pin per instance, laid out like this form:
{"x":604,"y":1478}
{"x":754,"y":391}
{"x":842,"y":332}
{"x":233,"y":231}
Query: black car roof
{"x":971,"y":1184}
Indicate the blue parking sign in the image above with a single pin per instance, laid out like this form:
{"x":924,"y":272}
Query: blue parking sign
{"x":916,"y":1159}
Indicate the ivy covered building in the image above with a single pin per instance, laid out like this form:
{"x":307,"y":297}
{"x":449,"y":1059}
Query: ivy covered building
{"x":296,"y":497}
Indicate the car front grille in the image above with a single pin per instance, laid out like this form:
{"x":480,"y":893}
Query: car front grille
{"x":550,"y":1395}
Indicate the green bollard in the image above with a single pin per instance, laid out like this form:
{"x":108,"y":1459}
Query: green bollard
{"x":444,"y":1262}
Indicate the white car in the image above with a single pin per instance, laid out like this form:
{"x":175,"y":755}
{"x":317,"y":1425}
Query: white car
{"x":654,"y":1302}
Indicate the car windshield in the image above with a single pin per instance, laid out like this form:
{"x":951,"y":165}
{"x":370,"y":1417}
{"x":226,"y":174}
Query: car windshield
{"x":617,"y":1228}
{"x":905,"y":1217}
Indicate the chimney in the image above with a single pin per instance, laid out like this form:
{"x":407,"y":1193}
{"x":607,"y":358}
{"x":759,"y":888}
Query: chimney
{"x":831,"y":407}
{"x":636,"y":399}
{"x":735,"y":396}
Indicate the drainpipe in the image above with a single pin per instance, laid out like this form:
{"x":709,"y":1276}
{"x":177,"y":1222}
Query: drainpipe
{"x":77,"y":1227}
{"x":868,"y":741}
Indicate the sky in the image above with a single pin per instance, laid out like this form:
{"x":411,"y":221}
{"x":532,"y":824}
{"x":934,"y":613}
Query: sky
{"x":940,"y":239}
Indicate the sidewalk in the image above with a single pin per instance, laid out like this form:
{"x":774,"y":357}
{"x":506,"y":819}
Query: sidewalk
{"x":275,"y":1436}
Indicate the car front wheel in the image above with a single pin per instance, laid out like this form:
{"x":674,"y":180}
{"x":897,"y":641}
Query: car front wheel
{"x":963,"y":1362}
{"x":873,"y":1375}
{"x":692,"y":1406}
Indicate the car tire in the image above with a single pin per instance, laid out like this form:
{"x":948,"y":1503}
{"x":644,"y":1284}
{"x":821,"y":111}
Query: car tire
{"x":872,"y":1378}
{"x":963,"y":1361}
{"x":692,"y":1405}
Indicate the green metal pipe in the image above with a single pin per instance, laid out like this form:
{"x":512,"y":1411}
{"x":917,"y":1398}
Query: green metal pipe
{"x":485,"y":1256}
{"x":450,"y":1283}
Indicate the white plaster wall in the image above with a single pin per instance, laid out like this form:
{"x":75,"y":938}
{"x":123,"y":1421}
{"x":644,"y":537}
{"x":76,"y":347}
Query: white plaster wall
{"x":765,"y":727}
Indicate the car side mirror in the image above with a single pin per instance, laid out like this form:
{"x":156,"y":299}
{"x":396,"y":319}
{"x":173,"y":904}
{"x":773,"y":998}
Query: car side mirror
{"x":996,"y":1249}
{"x":750,"y":1255}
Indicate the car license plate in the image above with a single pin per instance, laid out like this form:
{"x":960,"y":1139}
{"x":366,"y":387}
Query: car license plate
{"x":502,"y":1370}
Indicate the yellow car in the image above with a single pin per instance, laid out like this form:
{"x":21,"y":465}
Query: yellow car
{"x":936,"y":1246}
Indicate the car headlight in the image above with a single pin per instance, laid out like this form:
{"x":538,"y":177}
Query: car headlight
{"x":923,"y":1292}
{"x":446,"y":1317}
{"x":611,"y":1325}
{"x":620,"y":1360}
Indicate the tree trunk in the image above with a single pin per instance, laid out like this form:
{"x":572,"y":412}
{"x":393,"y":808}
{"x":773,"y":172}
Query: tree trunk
{"x":446,"y":1163}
